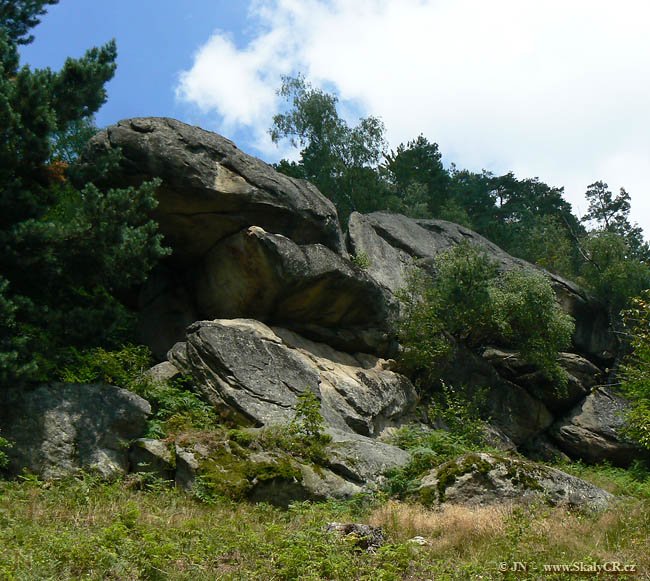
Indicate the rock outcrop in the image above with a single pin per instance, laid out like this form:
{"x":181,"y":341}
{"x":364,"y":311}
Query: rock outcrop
{"x":60,"y":428}
{"x":481,"y":479}
{"x":210,"y":189}
{"x":256,"y":374}
{"x":393,"y":242}
{"x":308,"y":288}
{"x":592,"y":431}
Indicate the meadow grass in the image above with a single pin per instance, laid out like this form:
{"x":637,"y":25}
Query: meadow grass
{"x":81,"y":528}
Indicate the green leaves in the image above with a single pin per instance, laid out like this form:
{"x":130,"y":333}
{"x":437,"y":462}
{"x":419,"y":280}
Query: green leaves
{"x":636,"y":369}
{"x":469,"y":301}
{"x":65,"y":251}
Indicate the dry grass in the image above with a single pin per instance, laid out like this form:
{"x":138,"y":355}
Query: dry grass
{"x":450,"y":527}
{"x":99,"y":531}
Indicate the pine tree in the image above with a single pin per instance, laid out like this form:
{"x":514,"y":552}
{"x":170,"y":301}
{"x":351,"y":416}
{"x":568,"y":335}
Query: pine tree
{"x":65,"y":251}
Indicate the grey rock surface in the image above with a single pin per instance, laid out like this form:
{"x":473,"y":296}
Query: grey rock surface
{"x":483,"y":479}
{"x":153,"y":457}
{"x":361,"y":459}
{"x":256,"y":374}
{"x":308,"y":288}
{"x":512,"y":409}
{"x":592,"y":431}
{"x":582,"y":376}
{"x":210,"y":189}
{"x":60,"y":428}
{"x":393,"y":243}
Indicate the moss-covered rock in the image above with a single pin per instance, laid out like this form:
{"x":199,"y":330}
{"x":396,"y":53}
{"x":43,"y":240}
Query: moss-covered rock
{"x":480,"y":478}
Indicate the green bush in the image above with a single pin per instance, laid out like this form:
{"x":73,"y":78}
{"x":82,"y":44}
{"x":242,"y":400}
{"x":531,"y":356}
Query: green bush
{"x":636,"y":370}
{"x":527,"y":317}
{"x":465,"y":432}
{"x":175,"y":406}
{"x":304,"y":436}
{"x":470,"y":302}
{"x":4,"y":444}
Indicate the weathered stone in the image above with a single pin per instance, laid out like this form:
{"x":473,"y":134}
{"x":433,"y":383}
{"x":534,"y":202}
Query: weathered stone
{"x":164,"y":371}
{"x":582,"y":375}
{"x":511,"y":409}
{"x":210,"y":189}
{"x":60,"y":428}
{"x":361,"y":459}
{"x":592,"y":431}
{"x":186,"y":468}
{"x":542,"y":449}
{"x":308,"y":288}
{"x":363,"y":536}
{"x":482,"y":479}
{"x":152,"y":456}
{"x":312,"y":484}
{"x":257,"y":374}
{"x":392,"y":242}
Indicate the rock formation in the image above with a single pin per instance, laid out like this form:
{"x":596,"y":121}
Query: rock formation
{"x":487,"y":479}
{"x":260,"y":302}
{"x":60,"y":428}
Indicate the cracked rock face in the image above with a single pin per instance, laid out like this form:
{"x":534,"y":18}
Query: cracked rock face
{"x":210,"y":189}
{"x":308,"y":288}
{"x":257,"y":373}
{"x":592,"y":430}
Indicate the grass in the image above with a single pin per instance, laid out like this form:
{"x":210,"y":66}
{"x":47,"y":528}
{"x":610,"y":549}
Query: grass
{"x":83,"y":529}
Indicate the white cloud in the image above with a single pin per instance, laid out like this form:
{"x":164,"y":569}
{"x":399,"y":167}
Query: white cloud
{"x":554,"y":89}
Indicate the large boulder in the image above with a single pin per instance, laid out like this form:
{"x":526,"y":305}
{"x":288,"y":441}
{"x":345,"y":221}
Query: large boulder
{"x":256,"y":374}
{"x":593,"y":430}
{"x":210,"y":189}
{"x":483,"y":479}
{"x":582,"y":375}
{"x":393,"y":242}
{"x":245,"y":464}
{"x":309,"y":288}
{"x":518,"y":414}
{"x":59,"y":428}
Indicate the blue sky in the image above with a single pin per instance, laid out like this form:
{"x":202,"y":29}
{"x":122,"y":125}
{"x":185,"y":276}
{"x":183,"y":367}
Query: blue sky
{"x":156,"y":40}
{"x":556,"y":90}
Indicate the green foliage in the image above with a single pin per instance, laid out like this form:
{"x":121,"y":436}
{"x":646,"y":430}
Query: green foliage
{"x":528,"y":318}
{"x":308,"y":421}
{"x":469,"y":301}
{"x":419,"y":180}
{"x":304,"y":436}
{"x":549,"y":244}
{"x":4,"y":444}
{"x":340,"y":160}
{"x":81,"y":528}
{"x":361,"y":260}
{"x":636,"y":370}
{"x":66,"y":251}
{"x":464,"y":431}
{"x":612,"y":214}
{"x":175,"y":406}
{"x":123,"y":368}
{"x":612,"y":271}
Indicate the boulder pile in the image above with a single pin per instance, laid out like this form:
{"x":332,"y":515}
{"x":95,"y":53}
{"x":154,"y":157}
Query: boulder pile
{"x":260,"y":302}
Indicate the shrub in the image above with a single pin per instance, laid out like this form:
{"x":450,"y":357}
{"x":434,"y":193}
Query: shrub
{"x":468,"y":301}
{"x":304,"y":436}
{"x":528,"y":318}
{"x":636,"y":370}
{"x":4,"y":444}
{"x":175,"y":407}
